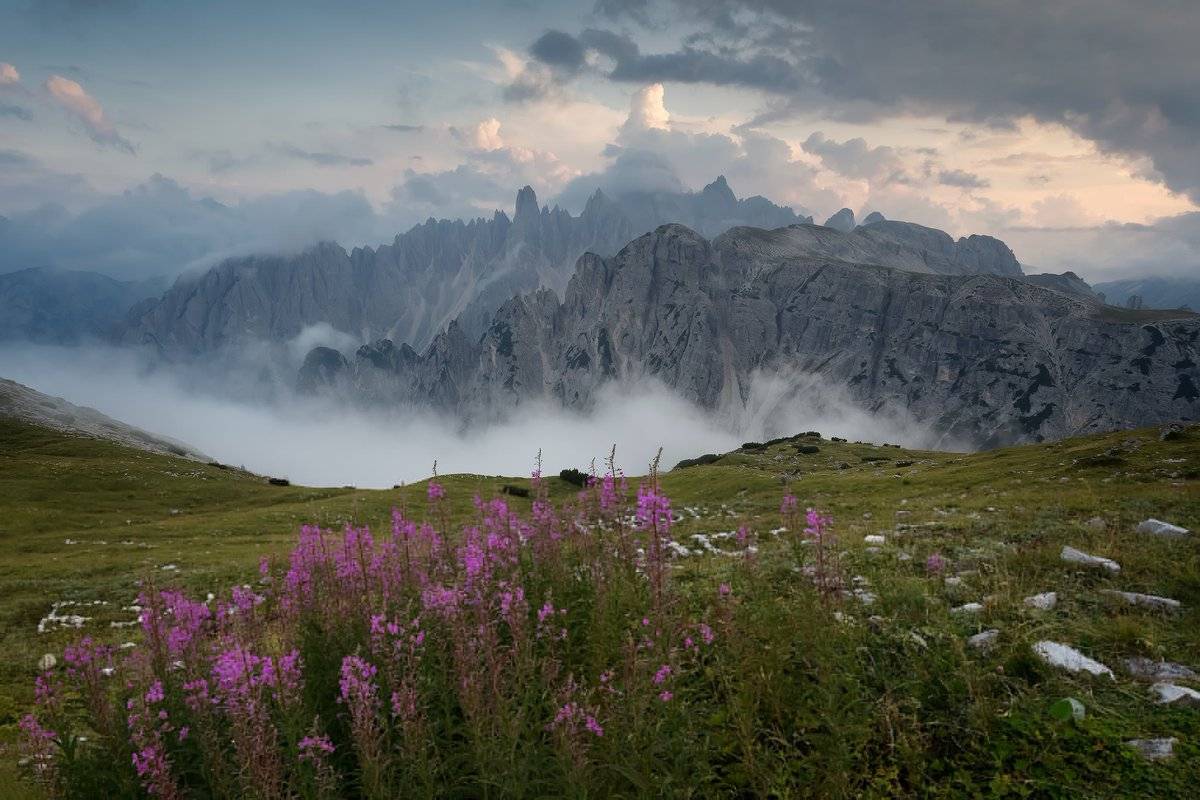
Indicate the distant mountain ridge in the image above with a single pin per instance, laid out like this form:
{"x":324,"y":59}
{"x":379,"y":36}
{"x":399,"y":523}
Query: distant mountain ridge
{"x":49,"y":306}
{"x":436,"y":272}
{"x":985,"y":358}
{"x":1153,"y":292}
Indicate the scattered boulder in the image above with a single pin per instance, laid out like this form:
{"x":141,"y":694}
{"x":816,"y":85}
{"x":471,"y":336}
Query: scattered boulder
{"x":874,"y":538}
{"x":984,"y":640}
{"x":1170,"y":694}
{"x":1154,"y":749}
{"x":1156,"y":527}
{"x":967,"y":608}
{"x":904,"y":463}
{"x":1043,"y":602}
{"x":47,"y":662}
{"x":1066,"y":657}
{"x":1147,"y":669}
{"x":1147,"y":600}
{"x":1070,"y":554}
{"x":1171,"y":433}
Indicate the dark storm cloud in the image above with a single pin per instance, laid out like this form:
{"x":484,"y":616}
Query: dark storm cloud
{"x":1121,"y":73}
{"x":567,"y":54}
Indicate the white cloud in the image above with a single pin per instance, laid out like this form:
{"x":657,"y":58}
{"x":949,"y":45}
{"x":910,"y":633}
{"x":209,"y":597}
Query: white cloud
{"x":486,"y":135}
{"x":647,"y":111}
{"x":76,"y":101}
{"x":9,"y":76}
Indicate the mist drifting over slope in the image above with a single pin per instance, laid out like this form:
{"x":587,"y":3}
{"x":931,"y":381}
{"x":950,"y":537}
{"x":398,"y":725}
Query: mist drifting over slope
{"x":238,"y":414}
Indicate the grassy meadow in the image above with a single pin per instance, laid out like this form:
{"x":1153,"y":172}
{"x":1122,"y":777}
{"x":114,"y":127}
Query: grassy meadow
{"x":874,"y":692}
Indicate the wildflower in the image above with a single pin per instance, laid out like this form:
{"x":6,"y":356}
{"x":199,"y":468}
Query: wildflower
{"x":706,"y":633}
{"x":666,"y":696}
{"x":935,"y":563}
{"x":435,"y":491}
{"x":663,"y":673}
{"x":724,"y":590}
{"x":789,"y":504}
{"x":593,"y":726}
{"x":311,"y":747}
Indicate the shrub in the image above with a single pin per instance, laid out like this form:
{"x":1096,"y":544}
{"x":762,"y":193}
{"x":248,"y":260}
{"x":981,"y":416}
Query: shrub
{"x":574,"y":477}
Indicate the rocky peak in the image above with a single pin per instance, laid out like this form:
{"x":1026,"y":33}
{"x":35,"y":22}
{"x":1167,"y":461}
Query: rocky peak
{"x":718,"y":197}
{"x":527,"y":208}
{"x":874,"y":217}
{"x":841,"y":221}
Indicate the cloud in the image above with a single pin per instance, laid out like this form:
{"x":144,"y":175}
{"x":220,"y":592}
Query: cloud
{"x":1168,"y":246}
{"x":1106,"y":69}
{"x":321,"y":159}
{"x":160,"y":228}
{"x":854,"y":158}
{"x":221,"y":410}
{"x":403,"y":128}
{"x":76,"y":101}
{"x":655,"y":151}
{"x":962,"y":179}
{"x":16,"y":112}
{"x":9,"y":76}
{"x":486,"y":135}
{"x":647,"y":110}
{"x":619,"y":58}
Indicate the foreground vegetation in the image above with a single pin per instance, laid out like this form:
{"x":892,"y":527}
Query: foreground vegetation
{"x":555,"y":659}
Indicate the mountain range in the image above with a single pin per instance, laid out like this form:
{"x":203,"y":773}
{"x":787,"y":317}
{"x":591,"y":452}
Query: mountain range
{"x":982,"y":358}
{"x":66,"y":306}
{"x":435,"y":273}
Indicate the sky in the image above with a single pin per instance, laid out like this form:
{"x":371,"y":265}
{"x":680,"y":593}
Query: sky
{"x":144,"y":137}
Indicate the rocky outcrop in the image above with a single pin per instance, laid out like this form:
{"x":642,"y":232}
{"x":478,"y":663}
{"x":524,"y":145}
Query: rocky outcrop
{"x":986,"y":359}
{"x":841,"y":221}
{"x":21,"y":403}
{"x":437,"y":272}
{"x":1067,"y":283}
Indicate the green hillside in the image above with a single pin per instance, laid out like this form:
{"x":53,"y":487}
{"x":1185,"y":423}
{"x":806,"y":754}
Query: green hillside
{"x":82,"y":521}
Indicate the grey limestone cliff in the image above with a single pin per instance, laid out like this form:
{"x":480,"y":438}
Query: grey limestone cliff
{"x":984,"y":358}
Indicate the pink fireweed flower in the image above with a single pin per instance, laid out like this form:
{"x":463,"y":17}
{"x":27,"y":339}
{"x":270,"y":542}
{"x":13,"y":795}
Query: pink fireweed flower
{"x":706,"y":633}
{"x":155,"y":693}
{"x":653,"y":510}
{"x":313,"y":747}
{"x":789,"y":504}
{"x":818,"y":523}
{"x":665,"y":696}
{"x":724,"y":590}
{"x":435,"y":491}
{"x":663,"y":673}
{"x":593,"y":726}
{"x":934,"y":564}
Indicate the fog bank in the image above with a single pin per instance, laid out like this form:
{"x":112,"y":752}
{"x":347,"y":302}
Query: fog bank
{"x":320,"y":443}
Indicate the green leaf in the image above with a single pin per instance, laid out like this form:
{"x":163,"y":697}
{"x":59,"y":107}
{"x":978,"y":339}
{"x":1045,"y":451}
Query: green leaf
{"x":1068,"y":709}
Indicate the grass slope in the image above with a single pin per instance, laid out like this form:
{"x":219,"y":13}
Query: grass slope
{"x":83,"y":520}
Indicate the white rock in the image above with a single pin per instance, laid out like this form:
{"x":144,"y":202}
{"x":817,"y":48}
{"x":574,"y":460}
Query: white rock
{"x":1173,"y":695}
{"x":968,"y":608}
{"x":1150,"y":670}
{"x":903,"y":557}
{"x":1154,"y":749}
{"x":1044,"y":601}
{"x":1156,"y":527}
{"x":1060,"y":655}
{"x":984,"y":639}
{"x":1148,"y":600}
{"x":1079,"y":557}
{"x":1097,"y":523}
{"x":954,"y":580}
{"x":874,"y":538}
{"x":47,"y":662}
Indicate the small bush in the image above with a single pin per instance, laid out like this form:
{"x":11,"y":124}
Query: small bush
{"x":574,"y":477}
{"x":279,"y":481}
